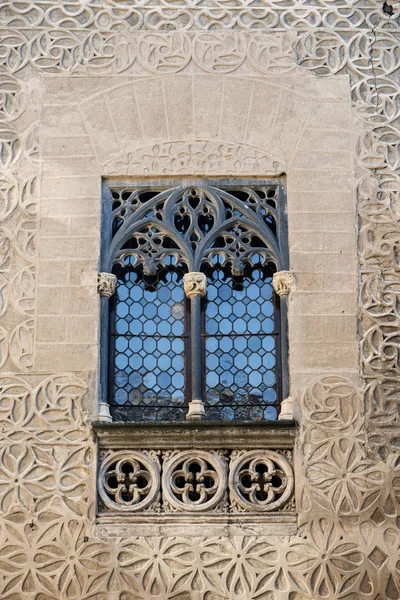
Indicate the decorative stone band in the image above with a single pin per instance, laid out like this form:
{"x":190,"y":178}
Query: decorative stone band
{"x":106,"y":284}
{"x":195,"y":481}
{"x":283,"y":282}
{"x":195,"y":284}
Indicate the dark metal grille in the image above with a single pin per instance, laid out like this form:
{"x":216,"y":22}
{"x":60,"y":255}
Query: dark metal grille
{"x":240,"y":346}
{"x":153,"y":236}
{"x":147,"y":345}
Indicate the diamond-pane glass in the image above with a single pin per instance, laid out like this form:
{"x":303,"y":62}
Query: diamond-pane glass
{"x":148,"y":342}
{"x":240,"y":346}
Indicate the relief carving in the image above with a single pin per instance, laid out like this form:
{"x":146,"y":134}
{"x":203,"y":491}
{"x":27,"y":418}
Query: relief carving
{"x":260,"y":480}
{"x":106,"y":284}
{"x":195,"y":157}
{"x":195,"y":285}
{"x":194,"y":481}
{"x":348,"y":546}
{"x":129,"y":481}
{"x":283,"y":282}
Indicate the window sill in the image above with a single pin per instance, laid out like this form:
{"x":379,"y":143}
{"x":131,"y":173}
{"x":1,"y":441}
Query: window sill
{"x":199,"y":434}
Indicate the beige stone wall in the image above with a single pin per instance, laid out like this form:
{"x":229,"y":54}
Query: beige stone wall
{"x":106,"y":89}
{"x":84,"y":140}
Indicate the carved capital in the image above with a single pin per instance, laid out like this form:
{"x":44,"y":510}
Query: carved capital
{"x":283,"y":282}
{"x":106,"y":284}
{"x":195,"y":284}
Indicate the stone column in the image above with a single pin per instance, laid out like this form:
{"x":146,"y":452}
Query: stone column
{"x":106,"y":285}
{"x":195,"y":288}
{"x":283,"y":282}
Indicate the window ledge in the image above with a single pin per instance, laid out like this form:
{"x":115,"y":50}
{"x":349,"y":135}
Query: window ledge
{"x":200,"y":434}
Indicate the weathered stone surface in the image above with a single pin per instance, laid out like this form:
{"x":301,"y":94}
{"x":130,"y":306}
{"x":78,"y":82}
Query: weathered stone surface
{"x":139,"y":89}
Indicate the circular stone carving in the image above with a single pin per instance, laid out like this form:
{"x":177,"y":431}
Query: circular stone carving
{"x":129,"y":481}
{"x":194,"y":481}
{"x":261,"y":480}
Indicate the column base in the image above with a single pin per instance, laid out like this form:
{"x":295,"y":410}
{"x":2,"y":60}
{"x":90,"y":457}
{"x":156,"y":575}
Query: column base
{"x":196,"y":411}
{"x":286,"y":413}
{"x":104,"y":413}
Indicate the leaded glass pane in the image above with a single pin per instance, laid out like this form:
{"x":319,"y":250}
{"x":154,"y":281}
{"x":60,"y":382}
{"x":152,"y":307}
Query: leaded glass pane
{"x":240,"y":345}
{"x":147,"y":345}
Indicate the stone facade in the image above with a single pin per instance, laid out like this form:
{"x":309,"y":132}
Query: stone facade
{"x":190,"y":88}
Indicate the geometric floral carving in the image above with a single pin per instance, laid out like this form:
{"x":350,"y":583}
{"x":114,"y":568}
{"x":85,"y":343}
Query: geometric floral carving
{"x":260,"y":480}
{"x":194,"y":481}
{"x":48,"y":550}
{"x":193,"y":156}
{"x":344,"y":479}
{"x":46,"y":412}
{"x":129,"y":481}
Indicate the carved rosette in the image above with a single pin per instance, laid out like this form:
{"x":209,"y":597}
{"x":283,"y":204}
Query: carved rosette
{"x":283,"y":282}
{"x":195,"y":285}
{"x":194,"y":481}
{"x":106,"y":284}
{"x":129,"y":481}
{"x":260,"y":481}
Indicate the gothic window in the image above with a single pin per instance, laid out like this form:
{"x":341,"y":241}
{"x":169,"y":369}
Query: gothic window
{"x":194,"y":328}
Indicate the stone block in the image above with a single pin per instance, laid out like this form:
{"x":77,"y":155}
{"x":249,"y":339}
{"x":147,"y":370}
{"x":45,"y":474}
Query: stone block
{"x":83,"y":330}
{"x":98,"y":122}
{"x":178,"y":94}
{"x":150,"y":101}
{"x":84,"y":272}
{"x":67,"y":145}
{"x":65,"y":357}
{"x":58,"y":118}
{"x":51,"y":329}
{"x":72,"y":187}
{"x":54,"y":272}
{"x":334,"y":303}
{"x":265,"y":102}
{"x":236,"y":102}
{"x":125,"y":115}
{"x":207,"y":97}
{"x":73,"y":247}
{"x":51,"y":300}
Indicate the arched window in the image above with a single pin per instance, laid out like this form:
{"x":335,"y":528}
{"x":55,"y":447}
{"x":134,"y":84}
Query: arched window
{"x":194,"y":329}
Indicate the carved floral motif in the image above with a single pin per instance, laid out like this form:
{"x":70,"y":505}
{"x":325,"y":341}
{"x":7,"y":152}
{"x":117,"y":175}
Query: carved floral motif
{"x":261,"y":480}
{"x":129,"y":481}
{"x":194,"y":481}
{"x":195,"y":157}
{"x":106,"y":284}
{"x":49,"y":547}
{"x":283,"y":282}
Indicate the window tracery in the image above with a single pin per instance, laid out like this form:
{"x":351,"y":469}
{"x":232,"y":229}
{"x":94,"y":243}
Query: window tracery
{"x":195,"y":327}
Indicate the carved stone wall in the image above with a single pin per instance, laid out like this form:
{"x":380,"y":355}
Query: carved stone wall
{"x":348,"y":463}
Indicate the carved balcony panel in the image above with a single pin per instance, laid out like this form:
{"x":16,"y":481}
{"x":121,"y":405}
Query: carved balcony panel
{"x":260,"y":480}
{"x":129,"y":481}
{"x":194,"y":474}
{"x":194,"y":480}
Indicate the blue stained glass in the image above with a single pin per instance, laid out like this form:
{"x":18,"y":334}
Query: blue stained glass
{"x":240,"y":358}
{"x":149,"y":368}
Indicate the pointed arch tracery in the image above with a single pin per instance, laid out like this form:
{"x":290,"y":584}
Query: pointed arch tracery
{"x":235,"y":234}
